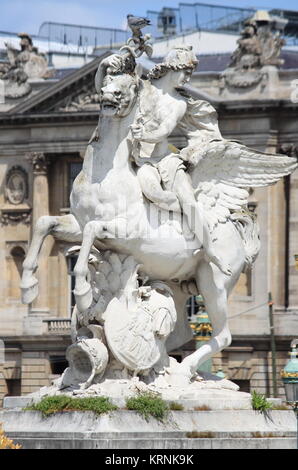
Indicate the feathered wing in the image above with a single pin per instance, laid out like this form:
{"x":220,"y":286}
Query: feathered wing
{"x":225,"y":171}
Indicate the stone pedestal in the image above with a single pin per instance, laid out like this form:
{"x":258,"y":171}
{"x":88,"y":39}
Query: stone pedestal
{"x":122,"y":429}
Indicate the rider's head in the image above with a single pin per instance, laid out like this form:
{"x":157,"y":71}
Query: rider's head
{"x":180,"y":59}
{"x":26,"y":41}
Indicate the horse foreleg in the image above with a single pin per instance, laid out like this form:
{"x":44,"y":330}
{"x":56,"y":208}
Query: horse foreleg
{"x":63,"y":227}
{"x":83,"y":290}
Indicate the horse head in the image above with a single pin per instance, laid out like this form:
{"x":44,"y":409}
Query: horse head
{"x":119,"y":94}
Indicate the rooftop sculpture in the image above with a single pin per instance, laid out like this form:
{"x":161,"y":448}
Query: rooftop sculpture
{"x":259,"y":46}
{"x":22,"y":65}
{"x":152,"y":225}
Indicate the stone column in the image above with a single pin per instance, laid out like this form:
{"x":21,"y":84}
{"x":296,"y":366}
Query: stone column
{"x":40,"y":207}
{"x":292,"y":151}
{"x":276,"y":234}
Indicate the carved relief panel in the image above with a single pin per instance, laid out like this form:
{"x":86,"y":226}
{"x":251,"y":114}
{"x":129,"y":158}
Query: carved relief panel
{"x":16,"y":188}
{"x":16,"y":192}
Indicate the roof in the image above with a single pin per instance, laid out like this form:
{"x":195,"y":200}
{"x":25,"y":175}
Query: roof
{"x":219,"y":62}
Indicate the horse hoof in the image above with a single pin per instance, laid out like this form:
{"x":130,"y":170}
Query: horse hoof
{"x":83,"y":297}
{"x":29,"y":293}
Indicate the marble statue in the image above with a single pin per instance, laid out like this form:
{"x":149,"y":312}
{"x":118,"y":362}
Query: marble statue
{"x":22,"y":65}
{"x":153,"y":225}
{"x":258,"y":47}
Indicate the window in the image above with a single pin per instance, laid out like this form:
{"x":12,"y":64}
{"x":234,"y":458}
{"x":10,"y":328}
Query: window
{"x":13,"y":387}
{"x":74,"y":170}
{"x":14,"y":272}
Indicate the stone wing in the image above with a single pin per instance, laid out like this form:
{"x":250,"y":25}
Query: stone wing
{"x":227,"y":169}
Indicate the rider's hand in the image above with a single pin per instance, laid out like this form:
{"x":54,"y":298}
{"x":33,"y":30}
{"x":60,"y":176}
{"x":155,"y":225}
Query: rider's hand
{"x":137,"y":131}
{"x":113,"y":62}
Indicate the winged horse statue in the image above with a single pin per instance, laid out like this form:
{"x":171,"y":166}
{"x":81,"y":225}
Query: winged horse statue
{"x":139,"y":257}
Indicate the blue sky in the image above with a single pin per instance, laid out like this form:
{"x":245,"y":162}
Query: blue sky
{"x":27,"y":15}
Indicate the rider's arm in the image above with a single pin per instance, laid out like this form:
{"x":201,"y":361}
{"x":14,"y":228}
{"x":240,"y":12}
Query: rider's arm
{"x":163,"y":131}
{"x":113,"y":61}
{"x":165,"y":128}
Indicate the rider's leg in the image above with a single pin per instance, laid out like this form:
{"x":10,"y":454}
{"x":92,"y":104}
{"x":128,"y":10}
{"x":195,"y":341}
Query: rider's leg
{"x":197,"y":223}
{"x":150,"y":182}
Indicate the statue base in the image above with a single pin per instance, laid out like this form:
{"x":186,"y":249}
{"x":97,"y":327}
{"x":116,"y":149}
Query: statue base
{"x":204,"y":391}
{"x":214,"y":416}
{"x":122,"y":429}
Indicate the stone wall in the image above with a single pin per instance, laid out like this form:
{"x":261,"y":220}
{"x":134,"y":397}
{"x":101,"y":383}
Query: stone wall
{"x":35,"y":371}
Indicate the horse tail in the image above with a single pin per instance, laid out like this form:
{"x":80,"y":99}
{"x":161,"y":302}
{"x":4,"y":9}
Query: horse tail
{"x":246,"y":223}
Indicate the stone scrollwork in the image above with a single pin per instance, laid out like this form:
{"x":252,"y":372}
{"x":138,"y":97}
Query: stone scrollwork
{"x":15,"y":216}
{"x":40,"y":162}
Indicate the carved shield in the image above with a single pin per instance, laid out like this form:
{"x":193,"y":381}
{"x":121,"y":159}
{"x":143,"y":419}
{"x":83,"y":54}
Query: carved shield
{"x":130,"y":336}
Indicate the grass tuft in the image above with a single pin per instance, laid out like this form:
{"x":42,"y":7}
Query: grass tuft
{"x":260,"y":403}
{"x":59,"y":403}
{"x":176,"y":406}
{"x":148,"y":405}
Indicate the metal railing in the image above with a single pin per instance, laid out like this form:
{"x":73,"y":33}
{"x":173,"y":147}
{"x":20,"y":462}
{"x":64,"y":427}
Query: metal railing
{"x":199,"y":16}
{"x":81,"y":37}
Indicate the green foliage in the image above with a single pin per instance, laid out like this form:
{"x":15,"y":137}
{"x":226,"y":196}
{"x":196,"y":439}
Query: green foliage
{"x":58,"y":403}
{"x":260,"y":403}
{"x":148,"y":405}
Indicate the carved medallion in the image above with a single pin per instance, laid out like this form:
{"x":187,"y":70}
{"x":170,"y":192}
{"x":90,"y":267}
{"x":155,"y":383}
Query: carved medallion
{"x":16,"y":189}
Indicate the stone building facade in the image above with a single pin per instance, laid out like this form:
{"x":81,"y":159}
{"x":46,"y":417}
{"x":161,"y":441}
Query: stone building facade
{"x":42,"y":142}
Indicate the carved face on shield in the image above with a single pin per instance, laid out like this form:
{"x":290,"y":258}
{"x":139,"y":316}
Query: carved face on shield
{"x":118,"y":95}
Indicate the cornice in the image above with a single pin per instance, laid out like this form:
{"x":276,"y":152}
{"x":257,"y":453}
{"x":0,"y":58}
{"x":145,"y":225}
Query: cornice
{"x":47,"y":117}
{"x":242,"y":106}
